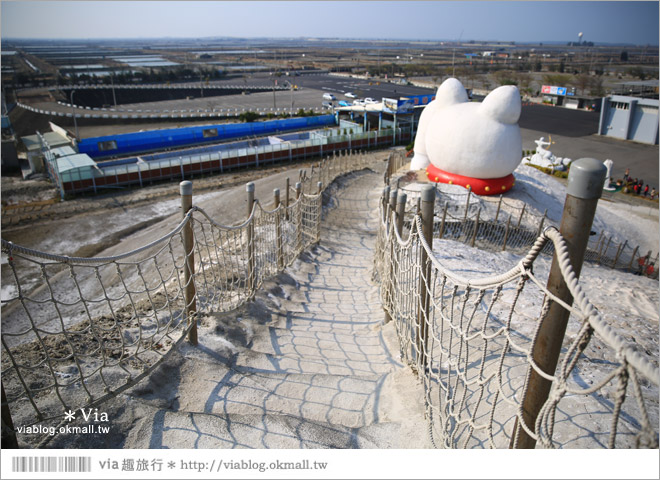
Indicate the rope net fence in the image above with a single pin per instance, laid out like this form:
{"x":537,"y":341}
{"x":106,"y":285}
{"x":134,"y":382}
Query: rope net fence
{"x":471,"y":342}
{"x":78,"y":331}
{"x":498,"y":223}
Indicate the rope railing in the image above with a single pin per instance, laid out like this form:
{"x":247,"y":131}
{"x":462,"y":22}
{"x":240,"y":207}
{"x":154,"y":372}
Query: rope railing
{"x":471,"y":341}
{"x":498,"y":223}
{"x":78,"y":331}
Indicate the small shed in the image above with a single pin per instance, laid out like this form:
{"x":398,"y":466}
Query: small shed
{"x":630,"y":118}
{"x":75,"y":167}
{"x":34,"y":145}
{"x":52,"y":139}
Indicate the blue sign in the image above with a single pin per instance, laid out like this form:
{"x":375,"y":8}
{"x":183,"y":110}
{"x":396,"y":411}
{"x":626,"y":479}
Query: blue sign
{"x":404,"y":105}
{"x":561,"y":91}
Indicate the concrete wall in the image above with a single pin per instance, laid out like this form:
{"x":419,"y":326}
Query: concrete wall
{"x":630,"y":118}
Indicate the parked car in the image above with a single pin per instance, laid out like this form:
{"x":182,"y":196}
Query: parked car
{"x":326,"y":105}
{"x":359,"y":103}
{"x":329,"y":96}
{"x":344,"y":103}
{"x":369,"y":100}
{"x":350,"y":95}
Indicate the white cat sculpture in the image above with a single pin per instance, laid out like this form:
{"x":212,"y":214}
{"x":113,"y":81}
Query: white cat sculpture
{"x":476,"y":145}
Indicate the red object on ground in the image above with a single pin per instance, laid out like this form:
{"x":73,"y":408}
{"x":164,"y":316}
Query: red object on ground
{"x":479,"y":186}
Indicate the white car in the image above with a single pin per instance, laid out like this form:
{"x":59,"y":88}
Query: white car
{"x":359,"y":103}
{"x":329,"y":96}
{"x":369,"y":100}
{"x":350,"y":95}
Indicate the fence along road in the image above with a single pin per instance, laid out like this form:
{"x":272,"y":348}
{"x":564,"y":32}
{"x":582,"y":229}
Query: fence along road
{"x":330,"y":373}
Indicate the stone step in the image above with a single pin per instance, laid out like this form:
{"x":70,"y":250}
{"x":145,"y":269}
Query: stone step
{"x":165,"y":429}
{"x":213,"y":388}
{"x":282,"y":351}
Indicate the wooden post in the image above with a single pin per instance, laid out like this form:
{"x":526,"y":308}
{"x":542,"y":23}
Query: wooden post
{"x":426,"y":211}
{"x":506,"y":233}
{"x":299,"y":238}
{"x":384,"y":200}
{"x":400,"y":211}
{"x":9,"y":439}
{"x":600,"y":258}
{"x":540,"y":229}
{"x":632,"y":258}
{"x":585,"y":186}
{"x":286,"y":200}
{"x":249,"y":188}
{"x":391,"y":207}
{"x":522,"y":212}
{"x":467,"y":205}
{"x":499,"y":207}
{"x":278,"y":229}
{"x":319,"y":211}
{"x":476,"y":228}
{"x":190,"y":295}
{"x":619,"y":252}
{"x":251,"y":273}
{"x":442,"y":223}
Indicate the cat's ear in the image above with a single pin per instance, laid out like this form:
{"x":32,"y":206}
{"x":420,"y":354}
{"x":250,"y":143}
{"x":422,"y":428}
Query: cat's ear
{"x":450,"y":92}
{"x":503,"y":104}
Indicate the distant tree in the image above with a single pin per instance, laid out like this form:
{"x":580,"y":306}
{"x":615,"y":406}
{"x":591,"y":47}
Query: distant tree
{"x":597,"y":89}
{"x":637,"y":72}
{"x":248,"y":117}
{"x":524,"y":80}
{"x":582,"y":82}
{"x":506,"y":77}
{"x":556,"y":79}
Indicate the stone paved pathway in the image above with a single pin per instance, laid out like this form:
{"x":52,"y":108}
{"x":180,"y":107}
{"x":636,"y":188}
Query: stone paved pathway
{"x":308,"y":364}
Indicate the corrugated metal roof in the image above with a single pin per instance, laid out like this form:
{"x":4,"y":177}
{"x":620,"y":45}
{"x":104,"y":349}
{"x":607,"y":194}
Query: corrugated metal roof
{"x":74,"y":161}
{"x":63,"y":151}
{"x":53,"y":139}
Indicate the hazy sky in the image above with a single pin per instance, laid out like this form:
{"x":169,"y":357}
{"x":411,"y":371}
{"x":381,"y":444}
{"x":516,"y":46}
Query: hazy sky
{"x":521,"y":21}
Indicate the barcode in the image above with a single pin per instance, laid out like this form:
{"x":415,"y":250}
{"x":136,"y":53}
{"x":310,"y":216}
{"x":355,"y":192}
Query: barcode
{"x":51,"y":464}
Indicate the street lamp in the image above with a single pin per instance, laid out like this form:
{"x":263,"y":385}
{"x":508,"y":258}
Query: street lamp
{"x":291,"y":86}
{"x":73,"y":114}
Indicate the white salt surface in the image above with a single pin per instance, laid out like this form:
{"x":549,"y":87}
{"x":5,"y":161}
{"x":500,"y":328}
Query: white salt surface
{"x":614,"y":293}
{"x":628,"y":303}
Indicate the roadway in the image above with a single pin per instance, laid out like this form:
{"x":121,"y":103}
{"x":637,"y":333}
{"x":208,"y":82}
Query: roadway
{"x":573,"y":132}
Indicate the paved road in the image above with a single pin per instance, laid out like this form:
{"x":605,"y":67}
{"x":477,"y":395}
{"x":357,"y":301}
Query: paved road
{"x":559,"y":121}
